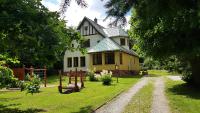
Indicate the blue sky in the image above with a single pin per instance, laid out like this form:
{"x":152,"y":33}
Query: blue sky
{"x":75,"y":13}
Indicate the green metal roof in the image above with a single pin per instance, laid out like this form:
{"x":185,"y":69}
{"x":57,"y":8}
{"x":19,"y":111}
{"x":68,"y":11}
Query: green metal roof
{"x":108,"y":44}
{"x":104,"y":45}
{"x":115,"y":31}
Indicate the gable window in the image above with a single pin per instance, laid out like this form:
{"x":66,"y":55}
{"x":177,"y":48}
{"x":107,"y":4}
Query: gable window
{"x":86,"y":28}
{"x":69,"y":62}
{"x":122,"y":41}
{"x":110,"y":58}
{"x":120,"y":58}
{"x":86,"y":43}
{"x":75,"y":61}
{"x":82,"y":61}
{"x":97,"y":59}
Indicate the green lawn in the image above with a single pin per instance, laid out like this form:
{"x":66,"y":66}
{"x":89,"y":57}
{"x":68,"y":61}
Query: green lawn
{"x":156,"y":73}
{"x":141,"y":102}
{"x":49,"y":100}
{"x":182,"y":98}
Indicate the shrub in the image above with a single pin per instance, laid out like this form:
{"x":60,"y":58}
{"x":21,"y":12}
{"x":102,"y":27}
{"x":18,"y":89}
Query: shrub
{"x":106,"y":77}
{"x":7,"y":78}
{"x":91,"y":75}
{"x":33,"y":85}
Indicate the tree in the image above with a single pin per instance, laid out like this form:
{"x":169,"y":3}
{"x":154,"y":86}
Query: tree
{"x":32,"y":33}
{"x":165,"y":28}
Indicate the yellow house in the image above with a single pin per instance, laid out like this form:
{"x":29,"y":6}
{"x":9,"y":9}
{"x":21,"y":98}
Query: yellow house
{"x":107,"y":49}
{"x":109,"y":55}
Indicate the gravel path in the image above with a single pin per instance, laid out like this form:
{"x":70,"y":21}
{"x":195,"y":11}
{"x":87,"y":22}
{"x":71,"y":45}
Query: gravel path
{"x":160,"y":103}
{"x":118,"y":104}
{"x":175,"y":78}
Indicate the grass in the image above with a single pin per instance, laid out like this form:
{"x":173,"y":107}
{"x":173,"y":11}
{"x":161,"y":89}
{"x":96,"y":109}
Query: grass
{"x":141,"y":102}
{"x":49,"y":100}
{"x":182,"y":98}
{"x":156,"y":73}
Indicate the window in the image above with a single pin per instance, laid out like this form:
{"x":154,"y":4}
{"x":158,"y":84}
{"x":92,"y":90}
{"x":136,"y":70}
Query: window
{"x":75,"y":61}
{"x":86,"y":43}
{"x":122,"y":41}
{"x":97,"y":59}
{"x":110,"y":58}
{"x":120,"y":58}
{"x":72,"y":45}
{"x":86,"y":28}
{"x":69,"y":62}
{"x":82,"y":61}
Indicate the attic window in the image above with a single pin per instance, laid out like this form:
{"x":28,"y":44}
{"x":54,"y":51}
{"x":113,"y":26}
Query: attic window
{"x":122,"y":41}
{"x":86,"y":28}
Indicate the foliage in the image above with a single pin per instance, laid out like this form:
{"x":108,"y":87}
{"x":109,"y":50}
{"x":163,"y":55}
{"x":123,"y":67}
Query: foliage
{"x":91,"y":75}
{"x":33,"y":85}
{"x":32,"y":33}
{"x":164,"y":28}
{"x":106,"y":77}
{"x":7,"y":78}
{"x":149,"y":63}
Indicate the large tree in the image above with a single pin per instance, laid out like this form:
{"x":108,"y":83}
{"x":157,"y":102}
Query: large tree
{"x":164,"y":28}
{"x":29,"y":31}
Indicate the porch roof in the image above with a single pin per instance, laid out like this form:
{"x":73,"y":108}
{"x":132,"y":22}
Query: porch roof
{"x":108,"y":44}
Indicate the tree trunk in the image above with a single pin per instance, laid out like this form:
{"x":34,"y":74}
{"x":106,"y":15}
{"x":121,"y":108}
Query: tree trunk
{"x":195,"y":64}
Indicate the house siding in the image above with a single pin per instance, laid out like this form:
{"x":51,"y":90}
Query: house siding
{"x":129,"y":63}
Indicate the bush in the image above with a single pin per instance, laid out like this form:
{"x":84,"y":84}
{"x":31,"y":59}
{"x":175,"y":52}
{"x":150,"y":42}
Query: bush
{"x":33,"y":85}
{"x":91,"y":75}
{"x":106,"y":77}
{"x":7,"y":78}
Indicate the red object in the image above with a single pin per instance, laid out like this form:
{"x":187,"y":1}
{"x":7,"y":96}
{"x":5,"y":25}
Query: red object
{"x":19,"y":73}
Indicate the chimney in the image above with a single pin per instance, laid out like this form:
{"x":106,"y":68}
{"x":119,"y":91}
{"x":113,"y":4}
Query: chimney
{"x":95,"y":20}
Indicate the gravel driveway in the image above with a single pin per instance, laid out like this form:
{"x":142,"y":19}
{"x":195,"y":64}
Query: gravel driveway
{"x":118,"y":104}
{"x":160,"y":103}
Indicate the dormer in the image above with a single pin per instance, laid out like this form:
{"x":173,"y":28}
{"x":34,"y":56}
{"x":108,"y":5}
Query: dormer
{"x":118,"y":35}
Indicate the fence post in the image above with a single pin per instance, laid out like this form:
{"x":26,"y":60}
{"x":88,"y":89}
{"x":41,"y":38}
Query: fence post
{"x":31,"y":71}
{"x":45,"y":76}
{"x":60,"y":84}
{"x":81,"y":77}
{"x":76,"y":86}
{"x":70,"y":74}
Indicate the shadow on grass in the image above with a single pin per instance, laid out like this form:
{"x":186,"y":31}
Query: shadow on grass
{"x":7,"y":99}
{"x":8,"y":109}
{"x":186,"y":90}
{"x":153,"y":75}
{"x":129,"y":76}
{"x":87,"y":109}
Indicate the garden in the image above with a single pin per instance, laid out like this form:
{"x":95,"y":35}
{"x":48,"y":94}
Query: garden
{"x":50,"y":100}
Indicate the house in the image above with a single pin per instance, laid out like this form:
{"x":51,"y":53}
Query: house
{"x":107,"y":48}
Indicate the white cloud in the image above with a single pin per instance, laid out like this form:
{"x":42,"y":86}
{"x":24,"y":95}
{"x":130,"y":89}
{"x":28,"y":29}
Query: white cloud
{"x":75,"y":13}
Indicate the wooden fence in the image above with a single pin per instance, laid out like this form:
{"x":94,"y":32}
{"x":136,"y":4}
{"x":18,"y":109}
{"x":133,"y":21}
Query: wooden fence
{"x":21,"y":72}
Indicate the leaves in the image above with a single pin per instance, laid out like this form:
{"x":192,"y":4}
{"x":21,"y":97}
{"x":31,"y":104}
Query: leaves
{"x":32,"y":33}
